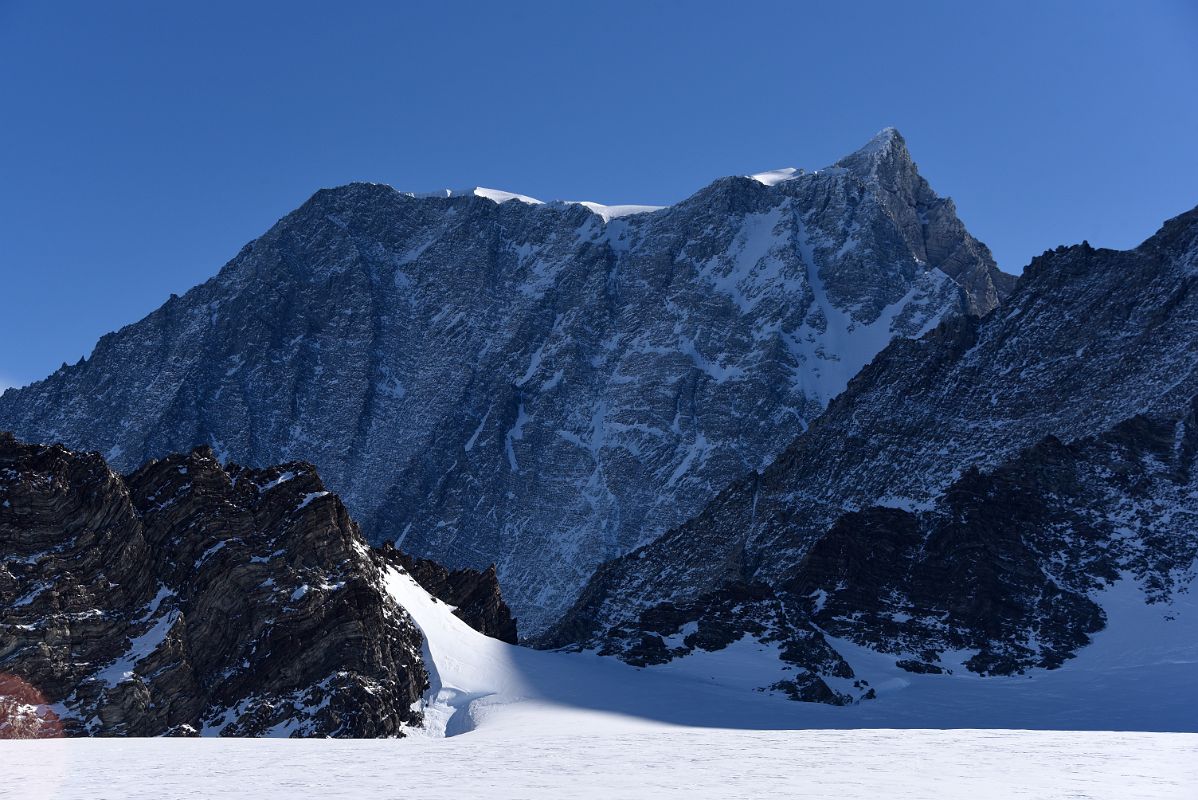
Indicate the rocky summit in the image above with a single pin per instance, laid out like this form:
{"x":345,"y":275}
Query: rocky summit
{"x":966,"y":504}
{"x":488,"y":379}
{"x":191,"y":598}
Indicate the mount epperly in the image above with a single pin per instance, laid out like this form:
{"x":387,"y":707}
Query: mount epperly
{"x":544,"y":386}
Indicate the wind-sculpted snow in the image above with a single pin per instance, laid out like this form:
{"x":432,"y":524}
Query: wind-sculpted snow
{"x":963,"y":504}
{"x":489,"y":379}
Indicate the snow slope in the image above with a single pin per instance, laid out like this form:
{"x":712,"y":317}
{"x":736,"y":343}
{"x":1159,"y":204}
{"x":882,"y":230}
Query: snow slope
{"x":1138,"y":675}
{"x":479,"y":682}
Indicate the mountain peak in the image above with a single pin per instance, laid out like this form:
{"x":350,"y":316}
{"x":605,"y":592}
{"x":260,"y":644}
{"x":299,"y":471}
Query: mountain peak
{"x":886,"y":141}
{"x":886,"y":147}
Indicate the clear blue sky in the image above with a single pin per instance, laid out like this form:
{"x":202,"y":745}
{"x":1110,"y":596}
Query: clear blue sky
{"x":141,"y":144}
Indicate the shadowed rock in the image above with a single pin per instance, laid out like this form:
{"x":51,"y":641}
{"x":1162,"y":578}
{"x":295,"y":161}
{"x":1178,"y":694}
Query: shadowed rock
{"x":190,"y":597}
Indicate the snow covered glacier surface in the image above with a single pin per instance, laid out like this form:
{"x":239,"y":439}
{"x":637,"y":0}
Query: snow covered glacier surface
{"x":505,"y":721}
{"x":675,"y":763}
{"x":487,"y":378}
{"x":1137,"y":675}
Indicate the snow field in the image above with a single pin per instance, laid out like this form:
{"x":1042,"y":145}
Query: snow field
{"x":847,"y":765}
{"x":1138,"y":675}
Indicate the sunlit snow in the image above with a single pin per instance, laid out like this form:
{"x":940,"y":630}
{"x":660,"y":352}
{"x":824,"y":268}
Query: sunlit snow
{"x":775,"y":176}
{"x":1138,"y":675}
{"x":552,"y":725}
{"x":678,"y":763}
{"x":609,"y":213}
{"x":605,"y":212}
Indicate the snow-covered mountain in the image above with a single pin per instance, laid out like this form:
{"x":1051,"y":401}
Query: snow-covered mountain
{"x":971,"y":503}
{"x":485,"y":378}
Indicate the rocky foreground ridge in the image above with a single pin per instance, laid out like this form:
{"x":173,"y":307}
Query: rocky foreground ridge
{"x":485,"y":379}
{"x":963,"y":505}
{"x":193,"y":598}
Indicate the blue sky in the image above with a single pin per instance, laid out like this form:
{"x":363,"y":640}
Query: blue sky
{"x":141,"y":144}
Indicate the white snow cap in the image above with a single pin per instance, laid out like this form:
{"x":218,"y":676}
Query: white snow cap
{"x":500,"y":196}
{"x":607,"y":213}
{"x":494,"y":195}
{"x":881,"y":142}
{"x":776,"y":176}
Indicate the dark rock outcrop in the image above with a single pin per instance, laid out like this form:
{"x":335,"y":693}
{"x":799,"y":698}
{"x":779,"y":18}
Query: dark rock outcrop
{"x":1008,"y":564}
{"x":474,"y":594}
{"x":536,"y":386}
{"x":192,"y":598}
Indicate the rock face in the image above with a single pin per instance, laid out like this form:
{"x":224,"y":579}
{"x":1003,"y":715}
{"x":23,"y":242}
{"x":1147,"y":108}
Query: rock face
{"x":191,"y":598}
{"x":541,"y":387}
{"x":474,"y":594}
{"x":963,"y":503}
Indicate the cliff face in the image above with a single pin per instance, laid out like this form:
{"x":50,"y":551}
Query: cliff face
{"x":964,"y":504}
{"x":191,"y":597}
{"x":540,"y":387}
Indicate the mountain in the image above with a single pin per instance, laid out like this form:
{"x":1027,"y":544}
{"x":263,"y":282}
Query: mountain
{"x":970,"y":504}
{"x":193,"y":598}
{"x":484,"y":378}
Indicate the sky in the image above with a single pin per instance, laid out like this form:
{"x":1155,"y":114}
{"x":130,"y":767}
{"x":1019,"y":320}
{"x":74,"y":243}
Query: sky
{"x":142,"y":144}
